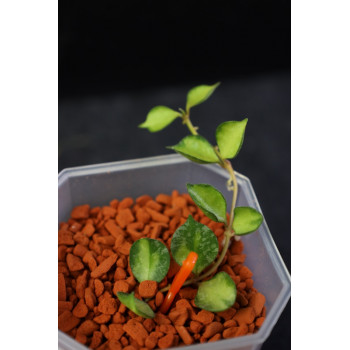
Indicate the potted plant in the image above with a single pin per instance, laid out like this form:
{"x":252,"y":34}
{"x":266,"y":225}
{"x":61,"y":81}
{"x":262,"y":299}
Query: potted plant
{"x":99,"y":184}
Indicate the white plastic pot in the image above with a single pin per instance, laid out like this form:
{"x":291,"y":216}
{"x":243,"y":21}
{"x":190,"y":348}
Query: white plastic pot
{"x":98,"y":184}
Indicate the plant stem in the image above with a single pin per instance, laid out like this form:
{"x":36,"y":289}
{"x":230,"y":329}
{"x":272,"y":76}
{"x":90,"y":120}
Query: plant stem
{"x":226,"y":164}
{"x":187,"y":121}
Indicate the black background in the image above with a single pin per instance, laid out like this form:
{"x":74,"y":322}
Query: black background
{"x":119,"y":59}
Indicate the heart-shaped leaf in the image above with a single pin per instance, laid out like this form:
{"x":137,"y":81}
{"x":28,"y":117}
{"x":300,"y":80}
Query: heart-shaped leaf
{"x":216,"y":294}
{"x":210,"y":201}
{"x":246,"y":220}
{"x":193,"y":236}
{"x":197,"y":149}
{"x":199,"y":94}
{"x":137,"y":306}
{"x":159,"y":117}
{"x":229,"y":137}
{"x":149,"y":260}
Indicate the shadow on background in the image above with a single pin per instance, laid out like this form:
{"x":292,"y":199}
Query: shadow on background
{"x":118,"y":60}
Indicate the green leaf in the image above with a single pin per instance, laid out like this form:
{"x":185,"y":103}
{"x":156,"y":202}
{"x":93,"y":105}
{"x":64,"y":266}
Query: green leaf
{"x":230,"y":136}
{"x":246,"y":220}
{"x":197,"y":149}
{"x":193,"y":236}
{"x":199,"y":94}
{"x":149,"y":260}
{"x":137,"y":306}
{"x":216,"y":294}
{"x":210,"y":201}
{"x":159,"y":117}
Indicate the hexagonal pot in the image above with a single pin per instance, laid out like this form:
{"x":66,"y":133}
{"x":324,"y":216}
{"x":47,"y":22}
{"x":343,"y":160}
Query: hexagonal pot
{"x":98,"y":184}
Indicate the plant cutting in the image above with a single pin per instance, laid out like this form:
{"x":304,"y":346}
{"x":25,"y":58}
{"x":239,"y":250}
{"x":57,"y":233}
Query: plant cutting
{"x":162,"y":271}
{"x":193,"y":237}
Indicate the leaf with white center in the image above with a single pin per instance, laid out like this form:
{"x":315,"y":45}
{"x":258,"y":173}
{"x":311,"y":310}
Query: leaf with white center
{"x":193,"y":236}
{"x":149,"y":260}
{"x":197,"y":149}
{"x":217,"y":294}
{"x":230,"y":136}
{"x":246,"y":220}
{"x":210,"y":201}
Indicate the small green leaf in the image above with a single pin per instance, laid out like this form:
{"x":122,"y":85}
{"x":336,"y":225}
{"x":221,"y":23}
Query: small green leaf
{"x":137,"y":306}
{"x":199,"y":94}
{"x":196,"y":237}
{"x":216,"y":294}
{"x":149,"y":260}
{"x":159,"y":117}
{"x":210,"y":201}
{"x":246,"y":220}
{"x":230,"y":136}
{"x":197,"y":149}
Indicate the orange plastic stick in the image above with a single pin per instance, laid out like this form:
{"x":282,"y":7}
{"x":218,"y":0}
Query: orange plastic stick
{"x":180,"y":278}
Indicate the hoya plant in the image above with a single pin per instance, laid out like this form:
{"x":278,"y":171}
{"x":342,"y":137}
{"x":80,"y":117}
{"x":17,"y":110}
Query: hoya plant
{"x":194,"y":246}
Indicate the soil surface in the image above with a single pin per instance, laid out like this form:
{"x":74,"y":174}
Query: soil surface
{"x":93,"y":265}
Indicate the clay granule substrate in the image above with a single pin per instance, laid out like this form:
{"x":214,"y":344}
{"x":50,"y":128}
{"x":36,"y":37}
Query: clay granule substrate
{"x":93,"y":265}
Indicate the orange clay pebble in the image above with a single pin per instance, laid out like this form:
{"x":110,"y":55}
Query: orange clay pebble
{"x":178,"y":316}
{"x":124,"y":217}
{"x":80,"y":310}
{"x":90,"y":299}
{"x":158,"y":217}
{"x":149,"y":324}
{"x":148,"y":289}
{"x":119,"y":274}
{"x":215,"y":338}
{"x":166,"y":341}
{"x":115,"y":331}
{"x":185,"y":336}
{"x":196,"y":327}
{"x":154,"y":205}
{"x":62,"y":295}
{"x":102,"y":319}
{"x":151,"y":341}
{"x":204,"y":317}
{"x":80,"y":212}
{"x":67,"y":321}
{"x":108,"y":212}
{"x":212,"y":328}
{"x":159,"y":298}
{"x":80,"y":250}
{"x":245,"y":316}
{"x":120,"y":286}
{"x":179,"y":202}
{"x":104,"y":266}
{"x":257,"y":301}
{"x":74,"y":263}
{"x":88,"y":327}
{"x":96,"y":339}
{"x":245,"y":273}
{"x":88,"y":230}
{"x":259,"y":321}
{"x":107,"y":305}
{"x":99,"y":287}
{"x":64,"y":305}
{"x":113,"y":229}
{"x":127,"y":202}
{"x":142,"y":216}
{"x":136,"y":331}
{"x":163,"y":199}
{"x":81,"y":284}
